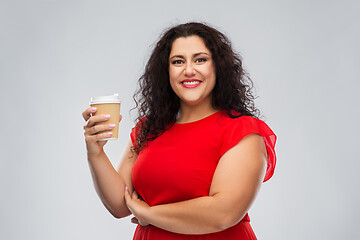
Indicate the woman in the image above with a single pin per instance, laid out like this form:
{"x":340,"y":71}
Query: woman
{"x":198,"y":154}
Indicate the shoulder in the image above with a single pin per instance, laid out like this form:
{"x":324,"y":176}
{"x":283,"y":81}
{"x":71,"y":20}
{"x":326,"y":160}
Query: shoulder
{"x":236,"y":129}
{"x":242,"y":121}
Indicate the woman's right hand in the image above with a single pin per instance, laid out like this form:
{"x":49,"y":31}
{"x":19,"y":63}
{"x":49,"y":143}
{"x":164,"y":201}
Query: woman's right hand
{"x":93,"y":133}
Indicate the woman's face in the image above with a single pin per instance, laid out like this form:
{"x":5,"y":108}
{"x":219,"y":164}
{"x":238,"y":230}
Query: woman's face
{"x":191,"y":70}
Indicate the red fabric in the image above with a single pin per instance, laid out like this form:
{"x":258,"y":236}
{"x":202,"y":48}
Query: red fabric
{"x":179,"y":165}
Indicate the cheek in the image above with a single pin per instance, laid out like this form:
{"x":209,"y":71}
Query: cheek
{"x":211,"y":74}
{"x":213,"y":79}
{"x":172,"y":78}
{"x":172,"y":74}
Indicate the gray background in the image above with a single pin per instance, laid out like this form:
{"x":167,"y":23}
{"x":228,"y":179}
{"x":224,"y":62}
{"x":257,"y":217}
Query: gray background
{"x":303,"y":57}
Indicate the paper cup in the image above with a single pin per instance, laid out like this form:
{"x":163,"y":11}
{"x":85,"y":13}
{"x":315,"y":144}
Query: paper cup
{"x":108,"y":105}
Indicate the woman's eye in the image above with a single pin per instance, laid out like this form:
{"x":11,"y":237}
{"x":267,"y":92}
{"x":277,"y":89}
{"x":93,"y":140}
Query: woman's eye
{"x":176,"y":62}
{"x":201,"y":60}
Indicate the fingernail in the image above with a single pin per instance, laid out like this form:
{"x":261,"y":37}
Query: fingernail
{"x":93,"y":109}
{"x":107,"y":116}
{"x":110,"y":133}
{"x":126,"y":187}
{"x":112,"y":125}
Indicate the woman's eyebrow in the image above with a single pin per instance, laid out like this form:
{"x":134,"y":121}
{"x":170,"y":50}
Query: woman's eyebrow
{"x":195,"y":55}
{"x":177,"y":56}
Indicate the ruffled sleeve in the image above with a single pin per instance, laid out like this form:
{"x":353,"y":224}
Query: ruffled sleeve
{"x":242,"y":126}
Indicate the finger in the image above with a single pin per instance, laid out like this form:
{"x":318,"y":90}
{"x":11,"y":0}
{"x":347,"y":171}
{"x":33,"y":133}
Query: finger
{"x":87,"y":113}
{"x":96,"y":119}
{"x":135,"y":195}
{"x":99,"y":128}
{"x":127,"y":194}
{"x":97,"y":137}
{"x":100,"y":137}
{"x":120,"y":118}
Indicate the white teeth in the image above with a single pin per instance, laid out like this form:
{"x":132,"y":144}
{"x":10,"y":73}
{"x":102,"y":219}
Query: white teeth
{"x":191,"y":83}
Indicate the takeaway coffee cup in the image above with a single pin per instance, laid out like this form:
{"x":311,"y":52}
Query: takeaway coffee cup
{"x":108,"y":105}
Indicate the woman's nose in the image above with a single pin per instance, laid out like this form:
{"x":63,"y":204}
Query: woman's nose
{"x":189,"y":69}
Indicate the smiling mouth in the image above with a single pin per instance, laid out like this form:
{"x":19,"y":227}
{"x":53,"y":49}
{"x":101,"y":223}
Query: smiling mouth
{"x":190,"y":82}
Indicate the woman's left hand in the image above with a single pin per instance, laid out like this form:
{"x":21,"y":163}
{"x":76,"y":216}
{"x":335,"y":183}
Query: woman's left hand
{"x":137,"y":207}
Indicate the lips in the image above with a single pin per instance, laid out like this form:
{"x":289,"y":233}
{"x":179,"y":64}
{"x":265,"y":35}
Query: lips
{"x":191,"y":83}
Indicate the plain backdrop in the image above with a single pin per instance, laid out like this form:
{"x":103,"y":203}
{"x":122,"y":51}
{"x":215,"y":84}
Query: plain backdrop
{"x":304,"y":59}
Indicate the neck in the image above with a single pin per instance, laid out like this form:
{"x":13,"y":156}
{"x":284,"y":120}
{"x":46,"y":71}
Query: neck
{"x":191,"y":113}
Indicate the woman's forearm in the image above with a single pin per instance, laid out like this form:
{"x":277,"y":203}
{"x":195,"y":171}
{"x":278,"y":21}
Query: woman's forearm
{"x":107,"y":182}
{"x":196,"y":216}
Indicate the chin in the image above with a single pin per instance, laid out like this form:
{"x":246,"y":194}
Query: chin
{"x":192,"y":102}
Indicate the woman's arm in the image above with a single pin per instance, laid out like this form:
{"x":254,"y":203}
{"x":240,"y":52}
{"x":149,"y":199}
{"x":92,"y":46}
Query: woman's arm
{"x":236,"y":181}
{"x":107,"y":181}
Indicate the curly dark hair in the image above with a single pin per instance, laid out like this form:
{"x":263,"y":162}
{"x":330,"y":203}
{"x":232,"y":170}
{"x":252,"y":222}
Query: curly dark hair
{"x":157,"y":103}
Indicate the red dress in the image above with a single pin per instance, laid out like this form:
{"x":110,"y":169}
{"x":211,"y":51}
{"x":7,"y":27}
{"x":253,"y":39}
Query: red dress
{"x":179,"y":165}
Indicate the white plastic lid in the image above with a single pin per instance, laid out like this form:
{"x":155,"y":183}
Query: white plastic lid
{"x":105,"y":99}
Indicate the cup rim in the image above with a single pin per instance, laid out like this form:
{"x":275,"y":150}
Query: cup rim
{"x":105,"y":99}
